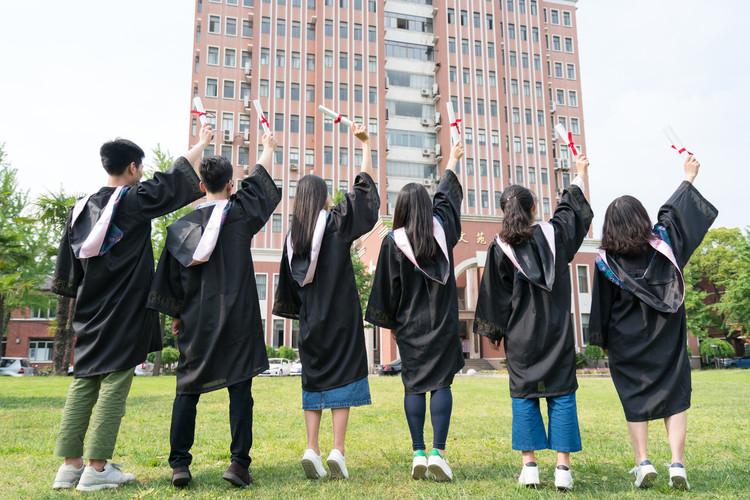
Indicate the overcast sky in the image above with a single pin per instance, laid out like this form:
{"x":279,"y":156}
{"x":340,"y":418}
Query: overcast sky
{"x":76,"y":74}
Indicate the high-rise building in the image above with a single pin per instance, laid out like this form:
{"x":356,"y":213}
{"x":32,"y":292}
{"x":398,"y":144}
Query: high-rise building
{"x":509,"y":67}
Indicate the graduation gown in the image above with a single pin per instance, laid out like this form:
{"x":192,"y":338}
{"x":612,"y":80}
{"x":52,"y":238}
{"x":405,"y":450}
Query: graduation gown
{"x":114,"y":329}
{"x":644,"y":331}
{"x":221,"y":340}
{"x":533,"y":317}
{"x":417,"y":306}
{"x":331,"y":336}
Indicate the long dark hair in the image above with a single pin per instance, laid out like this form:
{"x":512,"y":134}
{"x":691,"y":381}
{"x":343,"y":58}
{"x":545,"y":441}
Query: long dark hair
{"x":516,"y":203}
{"x":310,"y":199}
{"x":414,"y":213}
{"x":627,"y":227}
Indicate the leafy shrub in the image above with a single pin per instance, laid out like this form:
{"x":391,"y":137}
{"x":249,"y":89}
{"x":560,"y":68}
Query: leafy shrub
{"x":580,"y":360}
{"x":286,"y":352}
{"x":270,"y":352}
{"x":594,"y":352}
{"x":716,"y":348}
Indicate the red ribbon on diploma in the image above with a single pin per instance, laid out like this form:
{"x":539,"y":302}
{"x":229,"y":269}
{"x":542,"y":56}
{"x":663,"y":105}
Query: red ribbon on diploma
{"x":263,"y":120}
{"x":571,"y":145}
{"x":337,"y":120}
{"x":680,"y":151}
{"x":455,"y":124}
{"x":206,"y":113}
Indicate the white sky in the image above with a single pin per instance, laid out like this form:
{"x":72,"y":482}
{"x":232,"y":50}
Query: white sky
{"x":75,"y":74}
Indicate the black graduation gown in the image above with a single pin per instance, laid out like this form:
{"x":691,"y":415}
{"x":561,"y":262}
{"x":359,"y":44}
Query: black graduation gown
{"x":647,"y":341}
{"x":423,"y":312}
{"x":535,"y":323}
{"x":331,"y":336}
{"x":221,"y":340}
{"x":114,"y":329}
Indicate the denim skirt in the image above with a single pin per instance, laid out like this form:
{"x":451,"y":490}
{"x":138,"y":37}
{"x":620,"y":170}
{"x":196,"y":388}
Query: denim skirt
{"x":356,"y":393}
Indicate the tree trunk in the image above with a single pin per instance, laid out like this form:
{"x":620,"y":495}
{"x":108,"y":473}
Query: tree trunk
{"x":157,"y":357}
{"x":62,"y":312}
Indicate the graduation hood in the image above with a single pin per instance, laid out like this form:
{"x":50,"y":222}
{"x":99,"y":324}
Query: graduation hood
{"x":93,"y":232}
{"x":192,"y":239}
{"x":440,"y":270}
{"x":534,"y":261}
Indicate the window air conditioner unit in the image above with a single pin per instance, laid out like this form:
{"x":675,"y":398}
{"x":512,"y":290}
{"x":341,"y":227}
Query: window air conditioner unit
{"x":386,"y":114}
{"x":425,"y":92}
{"x":435,"y":90}
{"x":387,"y":82}
{"x":246,"y":102}
{"x":438,"y":150}
{"x":555,"y":164}
{"x":293,"y":165}
{"x":564,"y":164}
{"x":552,"y":106}
{"x":425,"y":122}
{"x":248,"y":72}
{"x":228,"y":136}
{"x":426,"y":152}
{"x":554,"y":134}
{"x":245,"y":170}
{"x":437,"y":118}
{"x":427,"y":182}
{"x":246,"y":135}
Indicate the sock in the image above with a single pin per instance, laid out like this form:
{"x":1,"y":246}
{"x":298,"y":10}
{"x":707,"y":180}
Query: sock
{"x":530,"y":464}
{"x":563,"y":467}
{"x":645,"y":462}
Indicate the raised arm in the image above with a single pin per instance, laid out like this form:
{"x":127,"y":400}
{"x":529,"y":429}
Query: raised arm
{"x":582,"y":168}
{"x":457,"y":151}
{"x":360,"y":132}
{"x":266,"y":157}
{"x":206,"y":135}
{"x":691,"y":169}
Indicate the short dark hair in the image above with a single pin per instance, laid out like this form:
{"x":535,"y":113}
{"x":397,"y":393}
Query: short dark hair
{"x":627,"y":227}
{"x":215,"y":172}
{"x":414,"y":213}
{"x":118,"y":154}
{"x":516,"y":202}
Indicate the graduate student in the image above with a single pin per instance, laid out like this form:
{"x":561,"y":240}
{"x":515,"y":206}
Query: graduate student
{"x":414,"y":294}
{"x":206,"y":281}
{"x":524,"y":300}
{"x":638,"y":314}
{"x":105,"y":261}
{"x":317,"y":286}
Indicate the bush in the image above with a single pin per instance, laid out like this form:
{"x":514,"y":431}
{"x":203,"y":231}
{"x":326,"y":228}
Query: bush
{"x":580,"y":360}
{"x":286,"y":352}
{"x":716,"y":348}
{"x":270,"y":352}
{"x":170,"y":355}
{"x":594,"y":352}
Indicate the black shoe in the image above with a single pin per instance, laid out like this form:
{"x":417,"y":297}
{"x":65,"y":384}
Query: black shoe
{"x":238,"y":475}
{"x":181,"y":476}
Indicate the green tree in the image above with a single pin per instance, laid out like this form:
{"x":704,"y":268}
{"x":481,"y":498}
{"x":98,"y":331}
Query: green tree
{"x":735,"y":302}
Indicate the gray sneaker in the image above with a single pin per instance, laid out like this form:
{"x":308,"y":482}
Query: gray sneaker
{"x":67,"y":476}
{"x":110,"y":477}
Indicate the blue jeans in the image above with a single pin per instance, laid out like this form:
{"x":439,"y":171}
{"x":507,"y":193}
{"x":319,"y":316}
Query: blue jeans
{"x":528,"y":427}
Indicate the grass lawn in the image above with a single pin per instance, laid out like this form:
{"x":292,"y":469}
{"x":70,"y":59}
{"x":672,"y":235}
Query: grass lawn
{"x":378,"y":444}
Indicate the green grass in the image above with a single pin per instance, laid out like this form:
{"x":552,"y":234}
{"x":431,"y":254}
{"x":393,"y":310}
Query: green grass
{"x":378,"y":443}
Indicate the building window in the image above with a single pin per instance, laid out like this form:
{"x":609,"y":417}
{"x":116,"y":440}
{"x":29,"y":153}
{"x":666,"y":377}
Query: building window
{"x":213,"y":56}
{"x":532,"y":175}
{"x":280,"y":90}
{"x":40,"y":351}
{"x":265,"y":25}
{"x":278,"y":333}
{"x":309,"y":157}
{"x":568,"y":44}
{"x":265,"y":57}
{"x":231,"y":26}
{"x":226,"y":152}
{"x":310,"y":62}
{"x":276,"y":223}
{"x":310,"y":31}
{"x":571,"y":71}
{"x":574,"y":126}
{"x":343,"y":60}
{"x":280,"y":58}
{"x":471,"y":198}
{"x":212,"y":87}
{"x":260,"y":285}
{"x":230,"y":58}
{"x":485,"y":199}
{"x":214,"y":24}
{"x":554,"y":16}
{"x":567,"y":19}
{"x":296,"y":29}
{"x":343,"y":29}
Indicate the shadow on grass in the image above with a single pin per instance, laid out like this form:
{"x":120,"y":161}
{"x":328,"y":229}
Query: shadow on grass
{"x":43,"y":402}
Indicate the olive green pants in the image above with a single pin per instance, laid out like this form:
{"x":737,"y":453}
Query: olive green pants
{"x":103,"y":397}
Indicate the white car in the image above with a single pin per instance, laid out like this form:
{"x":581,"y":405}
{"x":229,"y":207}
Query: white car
{"x":16,"y":367}
{"x":297,"y":368}
{"x":278,"y":367}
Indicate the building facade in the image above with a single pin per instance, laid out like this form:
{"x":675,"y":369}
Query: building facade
{"x":509,"y":67}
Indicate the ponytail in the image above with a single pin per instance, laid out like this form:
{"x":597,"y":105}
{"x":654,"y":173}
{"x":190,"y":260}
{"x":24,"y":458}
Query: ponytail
{"x":516,"y":203}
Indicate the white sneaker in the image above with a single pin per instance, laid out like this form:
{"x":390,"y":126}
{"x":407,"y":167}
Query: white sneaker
{"x":529,"y":475}
{"x":438,"y":467}
{"x":110,"y":477}
{"x":313,"y":465}
{"x":419,"y":465}
{"x":67,"y":476}
{"x":677,"y":476}
{"x":645,"y":474}
{"x":563,"y":479}
{"x":337,"y":464}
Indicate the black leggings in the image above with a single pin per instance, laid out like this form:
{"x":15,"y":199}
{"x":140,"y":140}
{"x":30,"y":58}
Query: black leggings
{"x":441,"y":405}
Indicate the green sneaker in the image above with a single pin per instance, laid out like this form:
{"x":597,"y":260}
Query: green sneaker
{"x":419,"y":465}
{"x":438,"y":467}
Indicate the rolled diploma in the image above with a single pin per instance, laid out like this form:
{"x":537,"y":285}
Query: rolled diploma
{"x":334,"y":115}
{"x":560,"y":128}
{"x":675,"y":141}
{"x":451,"y":119}
{"x":266,"y":128}
{"x":199,"y":107}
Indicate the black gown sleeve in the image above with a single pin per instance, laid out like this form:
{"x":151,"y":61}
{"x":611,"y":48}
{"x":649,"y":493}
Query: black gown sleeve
{"x":687,"y":216}
{"x":68,"y":269}
{"x":572,"y":220}
{"x":601,"y":310}
{"x":358,"y":213}
{"x":385,"y":295}
{"x":494,"y":305}
{"x":258,"y":197}
{"x":166,"y":289}
{"x":168,"y":191}
{"x":447,"y":206}
{"x":286,"y":301}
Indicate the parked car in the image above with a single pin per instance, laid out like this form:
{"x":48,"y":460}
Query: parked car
{"x":392,"y":368}
{"x":743,"y":362}
{"x":278,"y":367}
{"x":145,"y":369}
{"x":297,"y":368}
{"x":16,"y":367}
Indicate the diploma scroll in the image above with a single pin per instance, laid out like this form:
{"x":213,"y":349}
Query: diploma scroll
{"x":454,"y":127}
{"x":336,"y":117}
{"x":567,"y":137}
{"x":675,"y":141}
{"x":201,"y":110}
{"x":262,"y":117}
